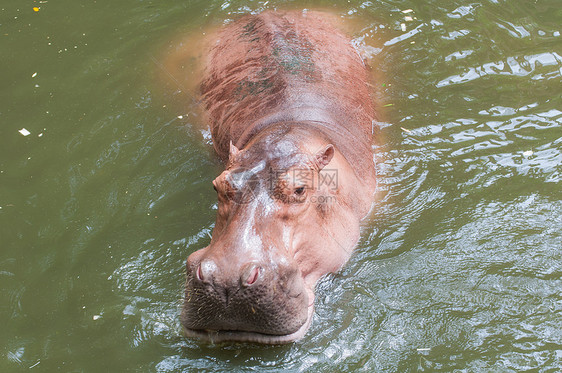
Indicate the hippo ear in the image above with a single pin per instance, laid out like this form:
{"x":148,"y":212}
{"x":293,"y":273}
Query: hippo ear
{"x":233,"y":151}
{"x":324,"y":156}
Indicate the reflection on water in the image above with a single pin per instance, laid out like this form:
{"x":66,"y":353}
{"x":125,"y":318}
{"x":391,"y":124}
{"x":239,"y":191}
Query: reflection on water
{"x":459,"y":266}
{"x":523,"y":66}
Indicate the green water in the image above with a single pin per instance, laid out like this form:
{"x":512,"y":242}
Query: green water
{"x":459,"y":267}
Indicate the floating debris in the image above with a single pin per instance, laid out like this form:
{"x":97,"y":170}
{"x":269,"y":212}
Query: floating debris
{"x":406,"y":11}
{"x":528,"y":153}
{"x":35,"y":9}
{"x":405,"y":130}
{"x":96,"y":317}
{"x":403,"y":27}
{"x":24,"y":132}
{"x":408,"y":19}
{"x":387,"y":105}
{"x":34,"y":75}
{"x":34,"y":365}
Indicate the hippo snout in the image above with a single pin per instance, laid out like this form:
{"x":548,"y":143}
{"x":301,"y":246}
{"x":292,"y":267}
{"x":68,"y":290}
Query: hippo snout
{"x":207,"y":272}
{"x":252,"y":296}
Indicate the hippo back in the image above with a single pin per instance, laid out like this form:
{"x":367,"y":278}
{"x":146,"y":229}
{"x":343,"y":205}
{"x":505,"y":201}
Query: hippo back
{"x":290,"y":66}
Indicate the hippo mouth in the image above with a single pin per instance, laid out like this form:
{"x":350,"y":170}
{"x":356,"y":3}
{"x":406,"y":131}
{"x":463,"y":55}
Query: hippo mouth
{"x":218,"y":336}
{"x":268,"y":304}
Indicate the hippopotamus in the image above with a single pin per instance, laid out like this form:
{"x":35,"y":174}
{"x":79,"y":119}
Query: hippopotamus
{"x":287,"y":99}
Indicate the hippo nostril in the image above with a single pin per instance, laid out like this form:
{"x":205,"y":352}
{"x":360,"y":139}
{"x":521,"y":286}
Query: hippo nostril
{"x":205,"y":270}
{"x":199,"y":274}
{"x":251,"y":274}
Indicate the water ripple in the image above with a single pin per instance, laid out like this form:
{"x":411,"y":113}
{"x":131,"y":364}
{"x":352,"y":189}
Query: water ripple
{"x":511,"y":66}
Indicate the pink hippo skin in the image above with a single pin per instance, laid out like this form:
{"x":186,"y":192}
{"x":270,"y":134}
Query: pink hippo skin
{"x":287,"y":99}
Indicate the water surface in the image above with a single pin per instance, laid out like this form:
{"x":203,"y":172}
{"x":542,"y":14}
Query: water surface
{"x":458,"y":269}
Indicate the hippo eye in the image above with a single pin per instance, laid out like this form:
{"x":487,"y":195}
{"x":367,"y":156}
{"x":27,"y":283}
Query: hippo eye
{"x":299,"y":191}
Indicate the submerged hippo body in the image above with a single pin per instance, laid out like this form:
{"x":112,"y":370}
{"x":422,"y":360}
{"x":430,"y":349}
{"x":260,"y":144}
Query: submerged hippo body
{"x":287,"y":99}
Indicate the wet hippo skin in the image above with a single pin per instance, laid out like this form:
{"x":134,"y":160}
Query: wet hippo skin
{"x":287,"y":99}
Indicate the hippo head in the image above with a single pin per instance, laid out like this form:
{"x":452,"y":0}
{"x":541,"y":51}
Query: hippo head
{"x":283,"y":221}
